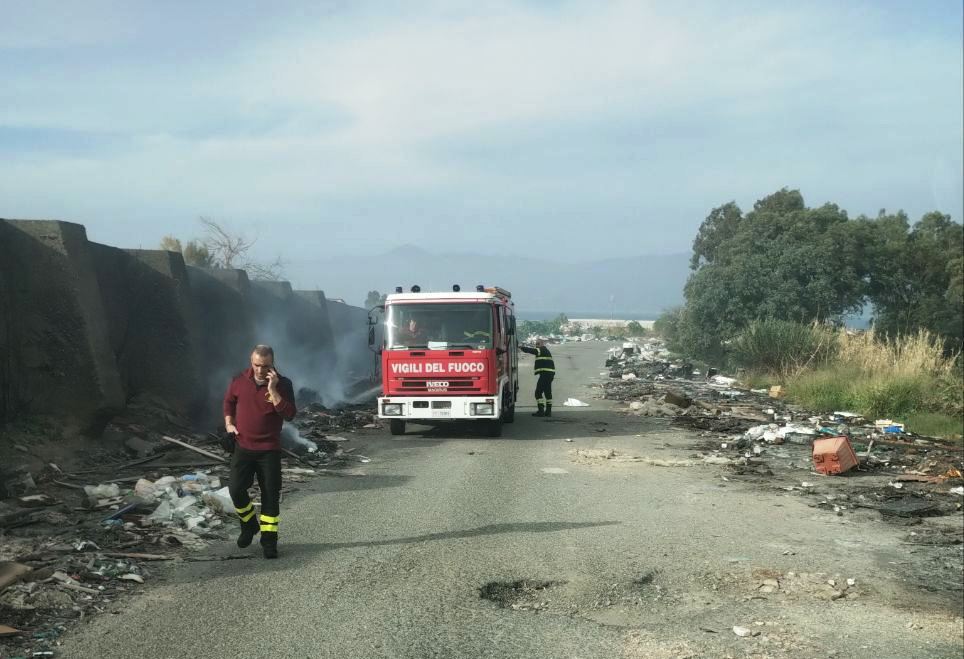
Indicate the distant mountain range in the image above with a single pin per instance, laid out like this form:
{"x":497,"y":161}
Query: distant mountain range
{"x":646,"y":284}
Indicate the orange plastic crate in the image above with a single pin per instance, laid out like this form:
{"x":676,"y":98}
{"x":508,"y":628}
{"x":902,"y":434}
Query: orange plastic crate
{"x":834,"y":455}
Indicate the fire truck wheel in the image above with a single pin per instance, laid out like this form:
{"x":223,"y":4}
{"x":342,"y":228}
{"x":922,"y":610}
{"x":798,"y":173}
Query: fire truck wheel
{"x":509,"y":415}
{"x":494,"y":428}
{"x":397,"y":426}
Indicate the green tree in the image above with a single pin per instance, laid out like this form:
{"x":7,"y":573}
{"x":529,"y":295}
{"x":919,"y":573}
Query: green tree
{"x":542,"y":327}
{"x":197,"y":254}
{"x":721,"y":223}
{"x":781,"y":260}
{"x":633,"y":328}
{"x":917,"y":280}
{"x":170,"y":244}
{"x":194,"y":253}
{"x":374,"y":299}
{"x":667,"y":325}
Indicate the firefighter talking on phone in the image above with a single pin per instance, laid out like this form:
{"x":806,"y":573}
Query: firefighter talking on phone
{"x":256,"y":405}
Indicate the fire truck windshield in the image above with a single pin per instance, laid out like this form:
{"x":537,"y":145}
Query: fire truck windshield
{"x":442,"y":325}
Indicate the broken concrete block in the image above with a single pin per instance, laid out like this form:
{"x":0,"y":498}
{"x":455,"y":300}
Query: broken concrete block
{"x":678,"y":399}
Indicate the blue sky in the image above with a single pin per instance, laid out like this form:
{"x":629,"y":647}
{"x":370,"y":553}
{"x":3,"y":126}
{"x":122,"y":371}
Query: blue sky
{"x":573,"y":129}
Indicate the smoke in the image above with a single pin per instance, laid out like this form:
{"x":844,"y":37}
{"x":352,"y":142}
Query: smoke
{"x":332,"y":369}
{"x":320,"y":345}
{"x":292,"y":440}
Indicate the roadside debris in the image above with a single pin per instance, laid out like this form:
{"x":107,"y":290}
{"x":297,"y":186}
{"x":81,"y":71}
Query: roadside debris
{"x":743,"y":418}
{"x":833,"y":455}
{"x":757,"y":434}
{"x":575,"y":402}
{"x":74,"y":542}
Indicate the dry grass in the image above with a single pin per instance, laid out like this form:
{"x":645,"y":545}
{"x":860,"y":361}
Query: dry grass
{"x":829,"y":369}
{"x":913,"y":355}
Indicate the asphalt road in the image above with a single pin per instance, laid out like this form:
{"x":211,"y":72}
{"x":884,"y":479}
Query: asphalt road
{"x":640,"y":560}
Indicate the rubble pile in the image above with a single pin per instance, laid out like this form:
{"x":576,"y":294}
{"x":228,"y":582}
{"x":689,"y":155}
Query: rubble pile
{"x":744,"y":426}
{"x":316,"y":421}
{"x":92,"y":545}
{"x":76,"y":541}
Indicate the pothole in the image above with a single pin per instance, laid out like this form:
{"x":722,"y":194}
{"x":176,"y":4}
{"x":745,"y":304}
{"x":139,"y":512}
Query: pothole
{"x":641,"y":591}
{"x":520,"y":595}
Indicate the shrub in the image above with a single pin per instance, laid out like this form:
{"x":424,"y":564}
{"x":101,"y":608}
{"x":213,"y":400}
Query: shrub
{"x":782,"y":346}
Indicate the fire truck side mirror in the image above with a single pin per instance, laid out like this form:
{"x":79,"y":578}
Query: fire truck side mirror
{"x":371,"y":335}
{"x":512,"y":327}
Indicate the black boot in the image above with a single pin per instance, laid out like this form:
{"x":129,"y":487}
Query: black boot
{"x":269,"y":544}
{"x":249,"y":529}
{"x":541,"y":411}
{"x":548,"y":409}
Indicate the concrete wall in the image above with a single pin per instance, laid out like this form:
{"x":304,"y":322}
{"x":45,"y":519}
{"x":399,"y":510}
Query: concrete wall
{"x":222,"y":303}
{"x":58,"y":356}
{"x":85,"y":328}
{"x":150,"y":323}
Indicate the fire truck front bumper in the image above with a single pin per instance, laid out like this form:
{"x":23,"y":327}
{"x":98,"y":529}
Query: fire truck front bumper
{"x":438,"y":408}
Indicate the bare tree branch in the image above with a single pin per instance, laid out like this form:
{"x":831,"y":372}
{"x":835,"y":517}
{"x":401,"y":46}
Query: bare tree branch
{"x":224,"y":249}
{"x":227,"y":250}
{"x":273,"y":271}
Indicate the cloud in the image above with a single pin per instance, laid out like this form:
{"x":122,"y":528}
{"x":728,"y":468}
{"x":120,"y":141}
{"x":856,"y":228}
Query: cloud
{"x":499,"y":112}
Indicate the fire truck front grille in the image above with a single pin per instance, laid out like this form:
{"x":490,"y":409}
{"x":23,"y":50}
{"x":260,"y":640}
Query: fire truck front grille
{"x":433,"y":384}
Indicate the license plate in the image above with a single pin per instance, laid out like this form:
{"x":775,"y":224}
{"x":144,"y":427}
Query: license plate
{"x":441,"y":413}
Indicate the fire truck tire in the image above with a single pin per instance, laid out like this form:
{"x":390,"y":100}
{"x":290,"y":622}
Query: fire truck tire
{"x":509,"y":415}
{"x":397,"y":426}
{"x":494,"y":428}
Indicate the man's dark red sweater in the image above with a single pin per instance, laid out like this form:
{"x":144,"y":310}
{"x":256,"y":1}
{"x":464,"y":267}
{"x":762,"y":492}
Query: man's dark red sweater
{"x":257,"y":419}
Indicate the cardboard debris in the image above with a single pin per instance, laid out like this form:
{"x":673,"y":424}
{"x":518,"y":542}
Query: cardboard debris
{"x":12,"y":572}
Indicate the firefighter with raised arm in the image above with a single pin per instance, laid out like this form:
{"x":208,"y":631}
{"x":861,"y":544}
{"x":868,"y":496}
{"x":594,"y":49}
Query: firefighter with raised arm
{"x":257,"y":403}
{"x":545,"y":370}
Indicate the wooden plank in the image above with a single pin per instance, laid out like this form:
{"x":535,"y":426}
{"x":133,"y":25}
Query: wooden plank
{"x":141,"y":557}
{"x":193,"y":448}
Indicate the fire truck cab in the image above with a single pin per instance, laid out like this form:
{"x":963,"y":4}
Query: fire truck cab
{"x":449,"y":356}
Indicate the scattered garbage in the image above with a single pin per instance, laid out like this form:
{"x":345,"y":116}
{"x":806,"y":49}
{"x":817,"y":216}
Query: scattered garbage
{"x":95,"y":529}
{"x":889,"y":426}
{"x":744,"y":424}
{"x":833,"y":455}
{"x":105,"y":491}
{"x":574,"y":402}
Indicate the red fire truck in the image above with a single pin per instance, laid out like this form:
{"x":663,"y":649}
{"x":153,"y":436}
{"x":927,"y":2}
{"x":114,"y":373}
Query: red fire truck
{"x":449,"y":356}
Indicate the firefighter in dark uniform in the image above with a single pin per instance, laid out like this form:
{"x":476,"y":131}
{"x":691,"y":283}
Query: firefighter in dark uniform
{"x":545,"y":370}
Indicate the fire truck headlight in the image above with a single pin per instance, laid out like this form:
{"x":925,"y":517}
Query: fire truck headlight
{"x":483,"y":409}
{"x":392,"y":409}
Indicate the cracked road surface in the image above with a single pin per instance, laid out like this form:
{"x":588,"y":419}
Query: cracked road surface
{"x":576,"y":557}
